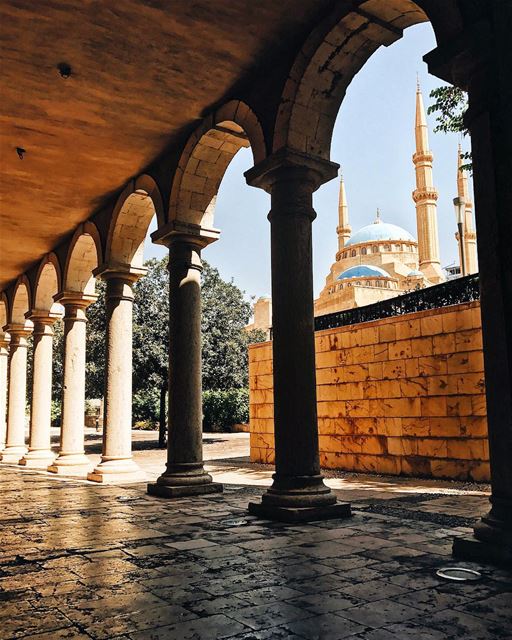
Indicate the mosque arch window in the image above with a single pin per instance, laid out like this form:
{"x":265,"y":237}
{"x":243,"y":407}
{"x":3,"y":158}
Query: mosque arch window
{"x":364,"y":251}
{"x":353,"y":253}
{"x":375,"y":249}
{"x":387,"y":247}
{"x":344,"y":254}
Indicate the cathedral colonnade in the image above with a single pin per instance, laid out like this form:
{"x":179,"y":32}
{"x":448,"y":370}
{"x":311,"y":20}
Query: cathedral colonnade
{"x":291,"y":148}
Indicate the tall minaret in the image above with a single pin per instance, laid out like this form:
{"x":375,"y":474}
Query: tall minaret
{"x":343,"y":229}
{"x":470,"y":255}
{"x":425,"y":197}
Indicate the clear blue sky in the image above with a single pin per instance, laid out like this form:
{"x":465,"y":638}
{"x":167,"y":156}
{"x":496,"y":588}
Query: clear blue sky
{"x":373,"y":141}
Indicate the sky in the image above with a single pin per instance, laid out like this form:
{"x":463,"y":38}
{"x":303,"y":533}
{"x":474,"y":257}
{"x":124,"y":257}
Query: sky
{"x":373,"y":141}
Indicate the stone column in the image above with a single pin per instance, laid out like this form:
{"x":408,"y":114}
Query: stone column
{"x":15,"y":442}
{"x":4,"y":357}
{"x":117,"y":464}
{"x":185,"y":474}
{"x":39,"y":449}
{"x":72,"y":460}
{"x":298,"y":491}
{"x":490,"y":122}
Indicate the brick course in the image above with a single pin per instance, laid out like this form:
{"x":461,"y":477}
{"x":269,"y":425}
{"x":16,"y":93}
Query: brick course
{"x":399,"y":395}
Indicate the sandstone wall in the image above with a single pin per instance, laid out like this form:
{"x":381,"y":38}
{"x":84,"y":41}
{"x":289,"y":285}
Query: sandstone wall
{"x":402,"y":395}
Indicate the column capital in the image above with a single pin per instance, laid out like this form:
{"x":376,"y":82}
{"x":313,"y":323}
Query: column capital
{"x":126,"y":272}
{"x":43,"y":316}
{"x":185,"y":232}
{"x":290,"y":165}
{"x":5,"y":339}
{"x":75,"y":298}
{"x":17,"y":331}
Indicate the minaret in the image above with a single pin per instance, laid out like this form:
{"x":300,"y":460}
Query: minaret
{"x":425,"y":197}
{"x":469,"y":232}
{"x":343,"y":229}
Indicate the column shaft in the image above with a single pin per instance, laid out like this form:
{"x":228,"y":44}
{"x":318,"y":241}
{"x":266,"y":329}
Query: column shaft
{"x":71,"y":459}
{"x":15,"y":441}
{"x":185,"y":473}
{"x":116,"y":463}
{"x":298,"y":491}
{"x":4,"y":359}
{"x":39,"y":449}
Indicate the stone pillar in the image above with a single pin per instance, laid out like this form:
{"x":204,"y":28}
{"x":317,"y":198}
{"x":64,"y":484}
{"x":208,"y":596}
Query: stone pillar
{"x":72,"y":460}
{"x":39,"y":449}
{"x":490,"y":122}
{"x":185,"y":474}
{"x":15,"y":442}
{"x":298,"y":492}
{"x":117,"y":464}
{"x":4,"y":357}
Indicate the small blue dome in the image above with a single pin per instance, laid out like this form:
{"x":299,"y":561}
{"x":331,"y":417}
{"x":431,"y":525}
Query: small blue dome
{"x":364,"y":271}
{"x":379,"y":231}
{"x":414,"y":272}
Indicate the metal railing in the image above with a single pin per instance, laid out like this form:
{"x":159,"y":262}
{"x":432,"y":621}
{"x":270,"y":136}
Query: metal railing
{"x":455,"y":291}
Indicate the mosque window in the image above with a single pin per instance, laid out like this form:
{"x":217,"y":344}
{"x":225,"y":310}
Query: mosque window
{"x":358,"y":284}
{"x":353,"y":253}
{"x":375,"y":249}
{"x":364,"y":251}
{"x":387,"y":247}
{"x":344,"y":254}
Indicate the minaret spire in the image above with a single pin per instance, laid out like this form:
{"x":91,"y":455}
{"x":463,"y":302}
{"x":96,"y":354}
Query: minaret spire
{"x":425,"y":197}
{"x":343,"y":229}
{"x":470,"y":253}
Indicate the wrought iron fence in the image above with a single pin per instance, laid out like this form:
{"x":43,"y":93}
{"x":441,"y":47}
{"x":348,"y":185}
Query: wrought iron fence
{"x":454,"y":291}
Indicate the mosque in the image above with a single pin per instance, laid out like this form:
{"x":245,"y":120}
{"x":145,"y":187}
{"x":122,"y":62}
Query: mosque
{"x":381,"y":260}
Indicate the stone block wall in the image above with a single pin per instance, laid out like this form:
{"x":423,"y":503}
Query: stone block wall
{"x":402,"y":395}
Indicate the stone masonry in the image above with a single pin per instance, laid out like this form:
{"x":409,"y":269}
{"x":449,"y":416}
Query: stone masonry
{"x":397,"y":396}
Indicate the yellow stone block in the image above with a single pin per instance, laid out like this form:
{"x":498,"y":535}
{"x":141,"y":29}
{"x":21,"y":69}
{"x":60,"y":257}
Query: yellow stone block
{"x":327,"y":392}
{"x":479,"y":405}
{"x":416,"y":427}
{"x":433,"y":406}
{"x":400,"y":350}
{"x":412,"y":369}
{"x":458,"y":406}
{"x":408,"y":329}
{"x":413,"y":387}
{"x":468,"y":340}
{"x":387,"y":332}
{"x":432,"y":447}
{"x":394,"y":369}
{"x":471,"y":383}
{"x":445,"y":426}
{"x":432,"y":365}
{"x":431,"y":325}
{"x":422,"y":346}
{"x":444,"y":343}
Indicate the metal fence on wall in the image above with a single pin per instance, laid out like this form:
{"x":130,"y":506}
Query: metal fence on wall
{"x":454,"y":291}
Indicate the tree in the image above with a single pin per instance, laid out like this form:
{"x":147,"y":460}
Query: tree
{"x":450,"y":104}
{"x":225,"y":314}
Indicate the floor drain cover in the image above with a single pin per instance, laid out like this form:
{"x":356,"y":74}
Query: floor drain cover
{"x":458,"y":574}
{"x":234,"y":522}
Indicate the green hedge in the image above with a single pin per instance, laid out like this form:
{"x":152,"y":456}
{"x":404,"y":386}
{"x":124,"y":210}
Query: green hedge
{"x":223,"y":409}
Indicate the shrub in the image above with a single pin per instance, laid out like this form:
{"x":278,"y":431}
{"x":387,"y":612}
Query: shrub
{"x":145,"y":405}
{"x":55,"y":413}
{"x":146,"y":425}
{"x":223,"y":409}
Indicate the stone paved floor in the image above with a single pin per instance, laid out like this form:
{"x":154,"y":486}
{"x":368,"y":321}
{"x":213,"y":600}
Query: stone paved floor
{"x":80,"y":561}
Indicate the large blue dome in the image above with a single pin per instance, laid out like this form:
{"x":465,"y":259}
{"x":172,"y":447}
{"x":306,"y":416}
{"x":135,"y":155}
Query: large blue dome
{"x":363,"y":271}
{"x":379,"y":231}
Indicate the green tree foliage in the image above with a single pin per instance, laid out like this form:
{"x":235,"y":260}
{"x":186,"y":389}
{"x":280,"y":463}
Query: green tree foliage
{"x":225,"y":313}
{"x":449,"y":106}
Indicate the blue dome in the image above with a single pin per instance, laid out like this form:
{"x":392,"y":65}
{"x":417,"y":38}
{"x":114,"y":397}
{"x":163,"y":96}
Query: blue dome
{"x":363,"y":271}
{"x":379,"y":231}
{"x":415,"y":272}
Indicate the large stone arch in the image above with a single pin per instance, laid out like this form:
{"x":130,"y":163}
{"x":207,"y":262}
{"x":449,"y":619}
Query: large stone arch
{"x":21,"y":303}
{"x":132,"y":215}
{"x":48,"y":283}
{"x":84,"y":255}
{"x":205,"y":158}
{"x":333,"y":54}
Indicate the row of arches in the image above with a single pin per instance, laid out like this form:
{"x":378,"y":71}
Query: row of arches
{"x":290,"y":142}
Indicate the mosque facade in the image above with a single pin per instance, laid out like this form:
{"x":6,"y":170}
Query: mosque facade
{"x":382,"y":260}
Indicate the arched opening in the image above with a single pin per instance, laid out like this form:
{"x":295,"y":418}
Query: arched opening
{"x":21,"y":303}
{"x":84,"y":256}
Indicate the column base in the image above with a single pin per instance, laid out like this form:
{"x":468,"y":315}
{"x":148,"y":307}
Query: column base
{"x":492,"y":540}
{"x":76,"y":464}
{"x":469,"y":548}
{"x":180,"y":491}
{"x":299,"y":514}
{"x":121,"y":471}
{"x":37,"y":459}
{"x":12,"y":455}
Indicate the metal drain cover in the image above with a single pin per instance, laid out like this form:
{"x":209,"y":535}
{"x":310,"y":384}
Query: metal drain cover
{"x":234,"y":522}
{"x":458,"y":574}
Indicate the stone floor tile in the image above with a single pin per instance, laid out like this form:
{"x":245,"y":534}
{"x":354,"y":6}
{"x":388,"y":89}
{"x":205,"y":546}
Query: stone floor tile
{"x":266,"y":595}
{"x":404,"y":631}
{"x":186,"y":545}
{"x":327,"y":602}
{"x":209,"y":628}
{"x":269,"y":615}
{"x":457,"y":624}
{"x":496,"y":608}
{"x":431,"y":600}
{"x":328,"y":626}
{"x":379,"y":613}
{"x":372,"y":590}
